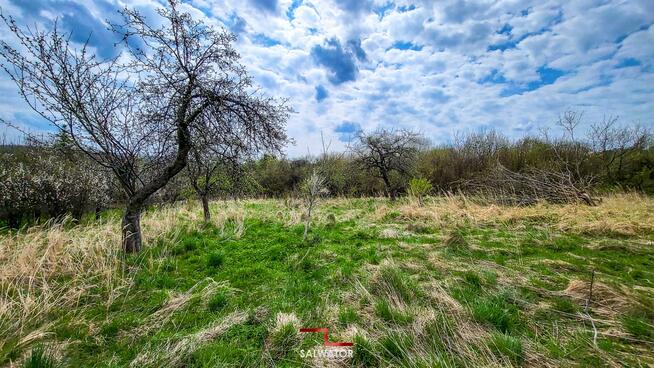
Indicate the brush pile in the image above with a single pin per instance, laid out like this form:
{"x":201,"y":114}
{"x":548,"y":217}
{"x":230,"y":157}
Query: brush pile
{"x":503,"y":186}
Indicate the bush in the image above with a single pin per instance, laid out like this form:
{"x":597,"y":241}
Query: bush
{"x":40,"y":182}
{"x":419,"y":188}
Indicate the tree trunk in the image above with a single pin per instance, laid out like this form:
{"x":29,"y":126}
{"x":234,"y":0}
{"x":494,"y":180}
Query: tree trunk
{"x":389,"y":190}
{"x":132,"y":230}
{"x":307,"y":223}
{"x":205,"y":208}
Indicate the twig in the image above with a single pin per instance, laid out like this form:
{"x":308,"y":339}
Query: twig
{"x":588,"y":301}
{"x":590,"y":291}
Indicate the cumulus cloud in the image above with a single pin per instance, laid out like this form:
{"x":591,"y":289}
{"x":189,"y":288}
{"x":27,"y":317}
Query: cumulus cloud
{"x":437,"y":67}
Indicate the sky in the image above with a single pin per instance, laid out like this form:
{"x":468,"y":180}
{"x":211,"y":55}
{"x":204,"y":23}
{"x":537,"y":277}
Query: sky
{"x":437,"y":67}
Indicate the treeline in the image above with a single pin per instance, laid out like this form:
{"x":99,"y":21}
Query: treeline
{"x":451,"y":168}
{"x":48,"y":180}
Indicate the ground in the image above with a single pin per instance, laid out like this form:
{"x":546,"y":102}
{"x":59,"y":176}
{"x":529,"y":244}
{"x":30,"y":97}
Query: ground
{"x":451,"y":283}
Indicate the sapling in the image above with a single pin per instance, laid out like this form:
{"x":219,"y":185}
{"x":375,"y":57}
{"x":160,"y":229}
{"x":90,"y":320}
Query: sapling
{"x":312,"y":188}
{"x":419,"y":188}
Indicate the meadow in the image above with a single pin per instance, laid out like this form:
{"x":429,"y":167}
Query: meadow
{"x":453,"y":282}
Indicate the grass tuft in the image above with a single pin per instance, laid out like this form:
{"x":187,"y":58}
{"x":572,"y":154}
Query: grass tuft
{"x":507,"y":347}
{"x":217,"y":302}
{"x":457,"y":241}
{"x":215,"y":260}
{"x":496,"y":311}
{"x":40,"y":358}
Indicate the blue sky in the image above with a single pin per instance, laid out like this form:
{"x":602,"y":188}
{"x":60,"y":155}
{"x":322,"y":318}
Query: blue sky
{"x":439,"y":67}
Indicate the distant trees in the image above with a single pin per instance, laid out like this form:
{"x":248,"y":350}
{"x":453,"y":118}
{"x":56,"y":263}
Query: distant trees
{"x":139,"y":115}
{"x":616,"y":145}
{"x":388,"y":155}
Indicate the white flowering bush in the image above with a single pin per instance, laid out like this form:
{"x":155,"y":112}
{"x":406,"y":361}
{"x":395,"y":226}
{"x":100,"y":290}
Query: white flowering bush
{"x":43,"y":183}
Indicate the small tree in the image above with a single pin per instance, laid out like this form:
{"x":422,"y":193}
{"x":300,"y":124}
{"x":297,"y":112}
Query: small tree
{"x":312,"y":188}
{"x":217,"y":165}
{"x":419,"y":188}
{"x":139,"y":115}
{"x":614,"y":145}
{"x":385,"y":153}
{"x":203,"y":174}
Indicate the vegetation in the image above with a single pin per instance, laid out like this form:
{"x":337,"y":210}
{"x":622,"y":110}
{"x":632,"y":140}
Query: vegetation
{"x":528,"y":252}
{"x":512,"y":292}
{"x":139,"y":116}
{"x":520,"y":172}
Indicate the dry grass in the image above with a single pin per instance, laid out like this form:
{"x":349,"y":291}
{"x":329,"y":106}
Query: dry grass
{"x":620,"y":214}
{"x":204,"y":289}
{"x":604,"y":300}
{"x":175,"y":352}
{"x":53,"y":266}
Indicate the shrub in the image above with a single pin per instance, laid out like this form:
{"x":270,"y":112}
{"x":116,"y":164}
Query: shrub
{"x":419,"y":188}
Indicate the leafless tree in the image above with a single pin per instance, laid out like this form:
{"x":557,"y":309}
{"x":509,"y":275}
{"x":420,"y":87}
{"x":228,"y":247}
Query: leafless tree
{"x":614,"y":143}
{"x":385,"y":153}
{"x":217,"y":163}
{"x":313,"y":188}
{"x":138,"y":114}
{"x":570,"y":151}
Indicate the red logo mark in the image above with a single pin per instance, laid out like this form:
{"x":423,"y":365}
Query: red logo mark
{"x":325,"y":332}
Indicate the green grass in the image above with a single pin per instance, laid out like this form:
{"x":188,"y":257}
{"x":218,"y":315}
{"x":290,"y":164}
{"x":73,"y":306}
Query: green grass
{"x":40,"y":358}
{"x":507,"y":348}
{"x":454,"y":294}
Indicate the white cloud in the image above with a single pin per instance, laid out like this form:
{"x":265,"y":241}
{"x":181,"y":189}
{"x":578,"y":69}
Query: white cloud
{"x":443,"y":75}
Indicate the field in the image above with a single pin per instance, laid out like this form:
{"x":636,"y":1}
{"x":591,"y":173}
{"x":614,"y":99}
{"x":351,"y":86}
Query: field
{"x":447,"y":284}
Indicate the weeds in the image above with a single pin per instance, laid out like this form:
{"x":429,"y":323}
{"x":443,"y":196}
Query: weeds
{"x":450,"y":283}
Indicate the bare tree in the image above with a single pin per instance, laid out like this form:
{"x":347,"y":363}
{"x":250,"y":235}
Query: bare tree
{"x":217,"y":163}
{"x":138,"y":114}
{"x":614,"y":143}
{"x":202,"y":169}
{"x":570,"y":151}
{"x":313,"y":188}
{"x":385,"y":153}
